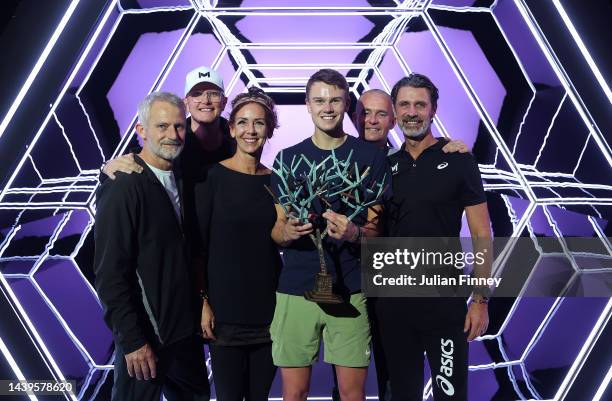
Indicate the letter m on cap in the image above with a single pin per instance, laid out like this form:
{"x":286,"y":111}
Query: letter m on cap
{"x":204,"y":75}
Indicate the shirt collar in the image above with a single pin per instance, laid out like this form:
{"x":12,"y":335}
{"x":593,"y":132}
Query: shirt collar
{"x":441,"y":141}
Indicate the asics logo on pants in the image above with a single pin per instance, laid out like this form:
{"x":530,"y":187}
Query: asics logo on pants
{"x":446,"y":367}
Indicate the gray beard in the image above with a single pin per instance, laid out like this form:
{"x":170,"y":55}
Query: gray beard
{"x":419,"y":135}
{"x":168,"y":156}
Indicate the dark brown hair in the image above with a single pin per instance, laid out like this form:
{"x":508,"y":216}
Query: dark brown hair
{"x":330,"y":77}
{"x":417,"y":81}
{"x":256,"y":95}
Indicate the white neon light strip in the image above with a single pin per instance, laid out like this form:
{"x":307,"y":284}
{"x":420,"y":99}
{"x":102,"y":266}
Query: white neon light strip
{"x":93,"y":132}
{"x":564,"y":79}
{"x":66,"y":327}
{"x":304,"y":11}
{"x":76,"y":250}
{"x":550,"y":184}
{"x":228,"y":39}
{"x":586,"y":144}
{"x":460,"y":9}
{"x":161,"y":77}
{"x":43,"y":205}
{"x":407,"y":71}
{"x":76,"y":160}
{"x":100,"y":383}
{"x":39,"y":64}
{"x":52,"y":237}
{"x":44,"y":256}
{"x":55,"y":370}
{"x":11,"y":361}
{"x":80,"y":177}
{"x":575,"y":201}
{"x":510,"y":370}
{"x":520,"y":130}
{"x":40,"y":177}
{"x":397,"y":141}
{"x":550,"y":126}
{"x":234,"y":80}
{"x":304,"y":66}
{"x":493,"y":365}
{"x":471,"y":93}
{"x":585,"y":53}
{"x":310,"y":46}
{"x":584,"y":352}
{"x":152,"y":10}
{"x":108,"y":39}
{"x":57,"y":100}
{"x":50,"y":190}
{"x":541,"y":328}
{"x":601,"y":234}
{"x":292,"y":80}
{"x":502,"y":258}
{"x":553,"y":223}
{"x":384,"y":37}
{"x":603,"y":386}
{"x":530,"y":386}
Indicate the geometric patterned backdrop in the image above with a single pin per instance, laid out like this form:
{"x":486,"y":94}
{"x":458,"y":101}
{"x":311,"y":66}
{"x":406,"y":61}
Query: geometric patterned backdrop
{"x":546,"y":164}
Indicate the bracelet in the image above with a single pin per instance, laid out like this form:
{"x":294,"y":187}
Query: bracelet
{"x":358,"y":235}
{"x":483,"y":301}
{"x":483,"y":291}
{"x":203,"y":295}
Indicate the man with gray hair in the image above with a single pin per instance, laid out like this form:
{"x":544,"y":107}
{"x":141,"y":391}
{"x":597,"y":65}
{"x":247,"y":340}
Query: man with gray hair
{"x":143,"y":276}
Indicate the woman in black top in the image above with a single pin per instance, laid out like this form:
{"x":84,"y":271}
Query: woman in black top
{"x":236,"y":215}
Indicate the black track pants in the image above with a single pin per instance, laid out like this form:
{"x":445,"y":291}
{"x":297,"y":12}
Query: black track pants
{"x":181,"y":375}
{"x":406,"y":335}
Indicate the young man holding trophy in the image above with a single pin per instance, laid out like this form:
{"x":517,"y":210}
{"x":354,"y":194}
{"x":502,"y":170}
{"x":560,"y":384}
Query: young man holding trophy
{"x":329,"y":191}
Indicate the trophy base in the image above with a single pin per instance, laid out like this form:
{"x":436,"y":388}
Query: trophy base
{"x":322,"y":292}
{"x":322,"y":298}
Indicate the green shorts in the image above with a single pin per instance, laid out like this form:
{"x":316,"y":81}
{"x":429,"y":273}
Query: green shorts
{"x":296,"y":333}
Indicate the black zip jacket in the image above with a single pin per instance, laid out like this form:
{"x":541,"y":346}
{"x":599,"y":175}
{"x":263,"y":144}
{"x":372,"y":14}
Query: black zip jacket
{"x":141,"y":262}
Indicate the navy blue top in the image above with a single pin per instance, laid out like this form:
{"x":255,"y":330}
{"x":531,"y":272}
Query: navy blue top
{"x":300,"y":258}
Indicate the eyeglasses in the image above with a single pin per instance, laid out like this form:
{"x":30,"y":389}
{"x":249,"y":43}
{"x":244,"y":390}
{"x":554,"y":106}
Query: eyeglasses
{"x":213,"y":96}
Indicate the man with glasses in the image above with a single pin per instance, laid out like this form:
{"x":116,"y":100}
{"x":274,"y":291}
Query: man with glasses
{"x":207,"y":139}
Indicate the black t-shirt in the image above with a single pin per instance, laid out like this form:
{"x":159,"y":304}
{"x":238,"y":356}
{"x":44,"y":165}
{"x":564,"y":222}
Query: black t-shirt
{"x":195,"y":161}
{"x":301,"y":260}
{"x":236,"y":215}
{"x":430,"y":193}
{"x":429,"y":197}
